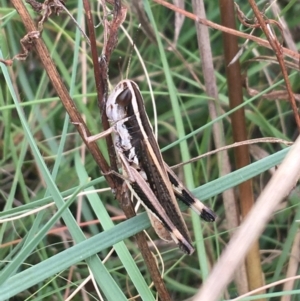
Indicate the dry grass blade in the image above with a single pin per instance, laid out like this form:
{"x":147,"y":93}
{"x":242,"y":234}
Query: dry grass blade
{"x":253,"y":225}
{"x":231,"y":210}
{"x":101,"y":77}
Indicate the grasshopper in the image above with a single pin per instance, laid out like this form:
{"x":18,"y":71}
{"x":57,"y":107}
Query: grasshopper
{"x":147,"y":176}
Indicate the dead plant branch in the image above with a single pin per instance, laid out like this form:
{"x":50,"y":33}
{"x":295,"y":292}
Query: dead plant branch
{"x":27,"y":44}
{"x":261,"y":42}
{"x":61,"y":89}
{"x":277,"y":47}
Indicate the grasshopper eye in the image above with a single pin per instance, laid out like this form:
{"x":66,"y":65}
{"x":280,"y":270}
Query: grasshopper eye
{"x":124,"y":98}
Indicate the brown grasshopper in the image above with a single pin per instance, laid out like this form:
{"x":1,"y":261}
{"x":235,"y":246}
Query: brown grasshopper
{"x":148,"y":177}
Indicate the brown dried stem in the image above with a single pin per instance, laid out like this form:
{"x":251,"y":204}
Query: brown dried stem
{"x":277,"y":47}
{"x":61,"y":89}
{"x":101,"y":74}
{"x":292,"y":54}
{"x":241,"y":154}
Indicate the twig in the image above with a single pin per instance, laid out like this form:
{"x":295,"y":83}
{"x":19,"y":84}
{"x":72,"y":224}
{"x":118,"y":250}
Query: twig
{"x":277,"y":47}
{"x":292,"y":54}
{"x":61,"y":89}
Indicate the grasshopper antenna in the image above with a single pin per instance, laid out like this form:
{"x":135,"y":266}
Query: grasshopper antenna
{"x":132,"y":48}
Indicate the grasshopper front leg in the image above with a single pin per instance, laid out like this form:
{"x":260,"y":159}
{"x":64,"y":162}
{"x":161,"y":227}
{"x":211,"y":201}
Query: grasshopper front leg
{"x":96,"y":137}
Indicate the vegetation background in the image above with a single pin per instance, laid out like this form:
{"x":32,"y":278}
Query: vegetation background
{"x":47,"y":253}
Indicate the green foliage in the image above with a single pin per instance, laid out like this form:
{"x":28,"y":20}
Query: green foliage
{"x":41,"y":163}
